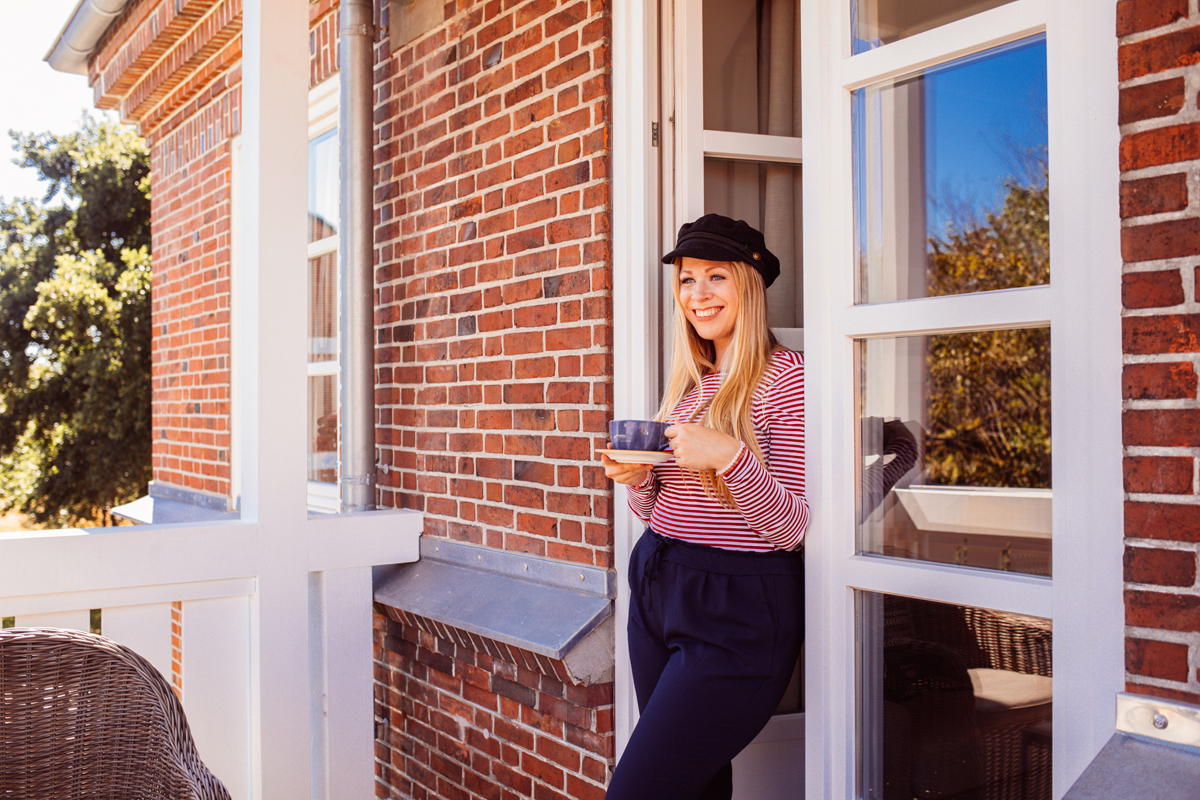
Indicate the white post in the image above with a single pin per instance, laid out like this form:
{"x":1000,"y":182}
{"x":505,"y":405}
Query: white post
{"x":272,"y":352}
{"x":350,"y":685}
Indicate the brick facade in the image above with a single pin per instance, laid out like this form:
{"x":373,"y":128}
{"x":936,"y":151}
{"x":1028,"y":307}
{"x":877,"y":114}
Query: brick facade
{"x":493,"y":330}
{"x":494,"y":365}
{"x":460,"y":716}
{"x":493,"y":276}
{"x":1160,"y":242}
{"x":174,"y":69}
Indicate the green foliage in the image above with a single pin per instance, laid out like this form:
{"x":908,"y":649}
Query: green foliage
{"x":989,"y":392}
{"x":75,"y":432}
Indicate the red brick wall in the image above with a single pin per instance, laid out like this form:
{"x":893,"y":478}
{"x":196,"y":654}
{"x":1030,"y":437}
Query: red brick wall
{"x":173,"y":68}
{"x":190,"y":225}
{"x":493,"y":276}
{"x":323,"y":27}
{"x":463,"y":717}
{"x":1160,"y":243}
{"x":494,"y":332}
{"x":494,"y":360}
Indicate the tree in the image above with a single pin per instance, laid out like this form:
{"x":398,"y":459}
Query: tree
{"x":989,"y":391}
{"x":75,"y":435}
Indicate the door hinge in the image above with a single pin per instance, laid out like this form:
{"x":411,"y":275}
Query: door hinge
{"x":654,"y":134}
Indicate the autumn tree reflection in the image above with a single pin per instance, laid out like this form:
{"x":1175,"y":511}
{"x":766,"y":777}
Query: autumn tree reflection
{"x":989,"y":391}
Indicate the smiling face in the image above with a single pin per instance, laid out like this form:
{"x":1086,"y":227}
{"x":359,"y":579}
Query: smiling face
{"x":709,"y":300}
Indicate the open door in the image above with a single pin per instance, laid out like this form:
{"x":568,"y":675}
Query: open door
{"x":731,"y":96}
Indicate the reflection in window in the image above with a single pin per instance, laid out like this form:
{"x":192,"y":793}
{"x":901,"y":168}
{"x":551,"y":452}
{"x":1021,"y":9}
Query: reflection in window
{"x":752,"y":66}
{"x":322,"y":308}
{"x":768,"y":197}
{"x":322,"y":428}
{"x":323,"y":186}
{"x":954,"y":447}
{"x":879,"y":22}
{"x":323,"y":219}
{"x":956,"y":701}
{"x":950,"y":179}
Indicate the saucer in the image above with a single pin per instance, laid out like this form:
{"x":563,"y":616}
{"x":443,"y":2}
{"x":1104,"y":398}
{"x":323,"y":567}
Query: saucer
{"x":638,"y":456}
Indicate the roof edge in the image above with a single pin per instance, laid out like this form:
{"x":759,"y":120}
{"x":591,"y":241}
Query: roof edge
{"x":82,"y":32}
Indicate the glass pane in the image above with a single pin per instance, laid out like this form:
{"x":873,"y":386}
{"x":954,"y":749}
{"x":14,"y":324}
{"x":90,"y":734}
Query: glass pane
{"x":322,"y":428}
{"x":956,"y":701}
{"x":769,"y":197}
{"x":322,"y":308}
{"x":323,"y":186}
{"x":954,"y":447}
{"x":950,"y":178}
{"x":879,"y":22}
{"x":752,"y":66}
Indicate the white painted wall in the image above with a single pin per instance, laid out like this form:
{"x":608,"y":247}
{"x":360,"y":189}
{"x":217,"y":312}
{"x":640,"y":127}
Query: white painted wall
{"x":216,"y":694}
{"x":144,"y":629}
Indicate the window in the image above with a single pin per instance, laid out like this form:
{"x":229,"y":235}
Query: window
{"x":953,"y":424}
{"x":324,"y":190}
{"x":945,"y":297}
{"x":875,"y":23}
{"x":956,"y":701}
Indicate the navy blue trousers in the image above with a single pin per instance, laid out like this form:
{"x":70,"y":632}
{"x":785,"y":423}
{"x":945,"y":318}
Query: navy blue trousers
{"x":713,"y":638}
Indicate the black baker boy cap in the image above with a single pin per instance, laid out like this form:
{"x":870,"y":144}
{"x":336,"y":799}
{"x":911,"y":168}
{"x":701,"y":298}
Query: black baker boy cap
{"x":717,"y":238}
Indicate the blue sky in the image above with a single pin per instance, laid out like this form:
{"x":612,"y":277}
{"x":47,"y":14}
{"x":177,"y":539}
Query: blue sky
{"x":980,"y":113}
{"x":33,"y":97}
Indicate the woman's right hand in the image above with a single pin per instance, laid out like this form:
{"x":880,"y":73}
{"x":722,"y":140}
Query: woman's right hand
{"x":628,"y":474}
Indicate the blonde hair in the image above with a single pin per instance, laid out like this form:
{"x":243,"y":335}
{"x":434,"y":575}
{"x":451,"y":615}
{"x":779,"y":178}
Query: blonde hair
{"x":744,"y":363}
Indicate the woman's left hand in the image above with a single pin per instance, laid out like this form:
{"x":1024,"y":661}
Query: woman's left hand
{"x":698,"y":448}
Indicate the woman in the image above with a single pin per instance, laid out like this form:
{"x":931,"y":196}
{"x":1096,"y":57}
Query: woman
{"x":716,"y":614}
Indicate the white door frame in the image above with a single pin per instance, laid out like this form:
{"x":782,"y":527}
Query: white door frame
{"x":1082,"y":305}
{"x":635,"y":169}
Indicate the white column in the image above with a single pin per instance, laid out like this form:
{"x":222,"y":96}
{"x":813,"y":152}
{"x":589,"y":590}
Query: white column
{"x":272,"y":356}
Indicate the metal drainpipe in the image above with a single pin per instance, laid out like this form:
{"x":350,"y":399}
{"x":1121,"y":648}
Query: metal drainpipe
{"x":357,"y":258}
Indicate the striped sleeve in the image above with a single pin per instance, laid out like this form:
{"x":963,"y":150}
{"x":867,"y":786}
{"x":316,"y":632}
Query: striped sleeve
{"x":773,"y":503}
{"x":771,"y":512}
{"x":643,"y":496}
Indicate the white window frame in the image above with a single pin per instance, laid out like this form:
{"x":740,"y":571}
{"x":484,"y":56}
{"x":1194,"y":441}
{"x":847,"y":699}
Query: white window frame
{"x":1082,"y":307}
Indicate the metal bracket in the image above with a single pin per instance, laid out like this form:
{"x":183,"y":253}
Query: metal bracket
{"x":1162,"y":720}
{"x":364,"y":29}
{"x":360,"y":480}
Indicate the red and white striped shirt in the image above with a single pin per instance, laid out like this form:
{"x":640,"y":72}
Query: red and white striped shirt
{"x":772,"y":512}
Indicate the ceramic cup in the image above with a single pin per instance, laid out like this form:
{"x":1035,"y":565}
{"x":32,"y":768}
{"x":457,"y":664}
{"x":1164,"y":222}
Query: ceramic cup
{"x":637,"y":434}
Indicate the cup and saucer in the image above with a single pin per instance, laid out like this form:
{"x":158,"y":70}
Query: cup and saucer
{"x":638,"y":441}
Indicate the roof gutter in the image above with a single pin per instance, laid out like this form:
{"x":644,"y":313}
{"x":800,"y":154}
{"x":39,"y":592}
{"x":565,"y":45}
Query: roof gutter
{"x":78,"y":39}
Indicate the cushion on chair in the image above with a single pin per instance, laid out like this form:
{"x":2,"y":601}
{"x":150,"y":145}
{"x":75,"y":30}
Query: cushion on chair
{"x":1003,"y":690}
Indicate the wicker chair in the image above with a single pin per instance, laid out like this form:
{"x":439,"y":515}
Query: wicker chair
{"x":1003,"y":660}
{"x":84,"y":717}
